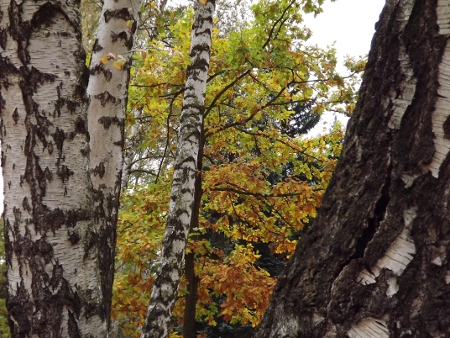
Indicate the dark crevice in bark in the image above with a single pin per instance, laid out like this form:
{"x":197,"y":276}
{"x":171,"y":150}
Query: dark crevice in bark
{"x":378,"y":216}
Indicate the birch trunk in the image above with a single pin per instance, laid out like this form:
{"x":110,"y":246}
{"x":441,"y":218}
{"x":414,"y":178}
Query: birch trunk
{"x":376,"y":261}
{"x":165,"y":289}
{"x":108,"y":92}
{"x":59,"y":260}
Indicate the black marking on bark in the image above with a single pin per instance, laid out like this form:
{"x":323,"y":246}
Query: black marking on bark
{"x":48,"y":174}
{"x":73,"y":326}
{"x":80,"y":126}
{"x":20,"y":31}
{"x":122,"y":36}
{"x":64,"y":173}
{"x":45,"y":15}
{"x":100,"y":69}
{"x":26,"y":205}
{"x":122,"y":13}
{"x":201,"y":64}
{"x":99,"y":170}
{"x":15,"y":116}
{"x":84,"y":151}
{"x":96,"y":48}
{"x":106,"y":97}
{"x":447,"y":128}
{"x":50,"y":147}
{"x":73,"y":237}
{"x":106,"y":121}
{"x":198,"y":49}
{"x":59,"y":138}
{"x":80,"y":92}
{"x":3,"y":38}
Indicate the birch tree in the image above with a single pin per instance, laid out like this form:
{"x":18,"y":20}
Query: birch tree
{"x":165,"y":286}
{"x":376,"y":261}
{"x":61,"y":157}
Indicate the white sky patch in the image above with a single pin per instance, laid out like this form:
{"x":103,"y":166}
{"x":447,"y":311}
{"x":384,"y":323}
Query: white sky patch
{"x":349,"y":25}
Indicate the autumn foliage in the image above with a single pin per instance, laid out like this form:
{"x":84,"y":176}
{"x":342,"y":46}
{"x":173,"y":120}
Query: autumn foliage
{"x":262,"y":178}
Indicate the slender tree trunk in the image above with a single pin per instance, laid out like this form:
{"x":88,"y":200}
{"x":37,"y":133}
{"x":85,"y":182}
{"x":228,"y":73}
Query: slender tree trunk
{"x":189,"y":266}
{"x":165,"y":289}
{"x":59,"y":250}
{"x":108,"y":92}
{"x":191,"y":298}
{"x":376,"y":261}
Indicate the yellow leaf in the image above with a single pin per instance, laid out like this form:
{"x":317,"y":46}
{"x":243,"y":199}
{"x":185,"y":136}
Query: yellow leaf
{"x":152,"y":4}
{"x":203,"y":2}
{"x":104,"y":59}
{"x":118,"y":64}
{"x":130,"y":24}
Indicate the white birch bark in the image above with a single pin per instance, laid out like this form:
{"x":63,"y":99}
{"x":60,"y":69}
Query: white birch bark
{"x":165,"y":289}
{"x":51,"y":252}
{"x":59,"y":249}
{"x":107,"y":93}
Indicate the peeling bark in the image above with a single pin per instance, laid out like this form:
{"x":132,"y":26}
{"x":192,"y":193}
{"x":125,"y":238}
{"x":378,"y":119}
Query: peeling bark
{"x":375,"y":263}
{"x":165,"y":287}
{"x":59,"y":260}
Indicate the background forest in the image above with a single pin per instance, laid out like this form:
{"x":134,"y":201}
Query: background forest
{"x":262,"y":176}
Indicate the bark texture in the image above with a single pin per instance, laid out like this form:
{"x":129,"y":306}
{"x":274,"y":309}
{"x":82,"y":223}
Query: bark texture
{"x":165,"y":288}
{"x":59,"y":249}
{"x":376,"y":261}
{"x":51,"y":242}
{"x":107,"y":93}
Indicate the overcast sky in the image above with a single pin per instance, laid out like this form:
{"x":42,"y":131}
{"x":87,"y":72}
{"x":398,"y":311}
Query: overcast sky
{"x":349,"y":23}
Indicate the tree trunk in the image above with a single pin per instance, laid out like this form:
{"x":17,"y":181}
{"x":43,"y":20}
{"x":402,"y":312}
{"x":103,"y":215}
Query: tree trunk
{"x":375,"y":263}
{"x":165,"y":287}
{"x":191,"y":298}
{"x":108,"y":92}
{"x":189,"y":266}
{"x":59,"y":252}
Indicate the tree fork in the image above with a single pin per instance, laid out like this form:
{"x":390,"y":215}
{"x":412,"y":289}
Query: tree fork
{"x":375,"y":263}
